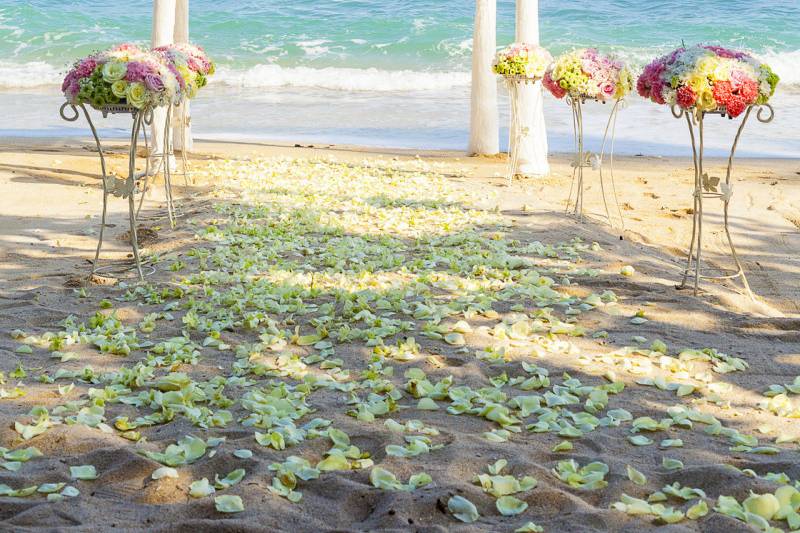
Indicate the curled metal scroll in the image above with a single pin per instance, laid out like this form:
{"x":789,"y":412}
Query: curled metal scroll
{"x":147,"y":116}
{"x":762,"y":117}
{"x":73,"y":108}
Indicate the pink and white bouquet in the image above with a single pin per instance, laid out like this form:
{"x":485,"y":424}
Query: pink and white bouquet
{"x":190,"y":64}
{"x":586,"y":73}
{"x":125,"y":74}
{"x":708,"y":78}
{"x":522,"y":60}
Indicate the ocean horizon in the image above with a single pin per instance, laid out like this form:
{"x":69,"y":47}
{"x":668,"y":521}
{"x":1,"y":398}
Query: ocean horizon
{"x":395,"y":75}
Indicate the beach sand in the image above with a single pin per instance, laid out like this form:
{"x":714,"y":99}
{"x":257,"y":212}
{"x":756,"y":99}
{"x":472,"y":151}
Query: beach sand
{"x":49,"y":212}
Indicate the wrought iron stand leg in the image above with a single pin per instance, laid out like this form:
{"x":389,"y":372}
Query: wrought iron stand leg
{"x":579,"y":193}
{"x":137,"y":121}
{"x":699,"y":195}
{"x":184,"y":160}
{"x":726,"y":200}
{"x":575,"y":147}
{"x":146,"y":183}
{"x":695,"y":208}
{"x":166,"y":154}
{"x":612,"y":126}
{"x":105,"y":188}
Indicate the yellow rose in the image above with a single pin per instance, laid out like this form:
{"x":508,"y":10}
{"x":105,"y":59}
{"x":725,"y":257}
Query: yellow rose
{"x":698,"y":83}
{"x":136,"y":95}
{"x":120,"y":88}
{"x":705,"y":101}
{"x":114,"y":71}
{"x":706,"y":65}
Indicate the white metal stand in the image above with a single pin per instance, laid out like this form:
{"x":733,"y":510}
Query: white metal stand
{"x":706,"y":186}
{"x":584,"y":158}
{"x":134,"y":183}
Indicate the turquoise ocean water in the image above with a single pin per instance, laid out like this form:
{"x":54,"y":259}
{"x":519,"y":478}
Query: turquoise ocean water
{"x":393,"y":73}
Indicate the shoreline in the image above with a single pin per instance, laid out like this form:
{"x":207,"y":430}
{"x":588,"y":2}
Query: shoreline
{"x":410,"y":120}
{"x":74,"y":141}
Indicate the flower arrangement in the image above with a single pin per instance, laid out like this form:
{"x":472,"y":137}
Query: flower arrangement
{"x":708,"y":78}
{"x":190,"y":64}
{"x":125,"y":74}
{"x":522,"y":60}
{"x":586,"y":73}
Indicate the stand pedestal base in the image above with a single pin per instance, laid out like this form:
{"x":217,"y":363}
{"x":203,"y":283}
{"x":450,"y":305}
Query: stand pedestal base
{"x":584,"y":159}
{"x":707,"y":187}
{"x":129,"y":187}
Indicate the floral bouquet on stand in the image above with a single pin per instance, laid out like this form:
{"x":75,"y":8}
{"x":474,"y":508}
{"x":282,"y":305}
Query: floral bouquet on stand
{"x":708,"y":79}
{"x":522,"y":61}
{"x":700,"y":80}
{"x":123,"y":75}
{"x":190,"y":64}
{"x":582,"y":75}
{"x":519,"y":64}
{"x":588,"y":75}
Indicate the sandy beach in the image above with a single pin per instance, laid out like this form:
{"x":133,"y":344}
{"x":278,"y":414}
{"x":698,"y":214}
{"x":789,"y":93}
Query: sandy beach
{"x":438,"y":212}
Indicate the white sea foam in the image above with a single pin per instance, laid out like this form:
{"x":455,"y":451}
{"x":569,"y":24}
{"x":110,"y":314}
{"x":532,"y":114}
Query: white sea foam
{"x":785,"y":64}
{"x":28,"y":75}
{"x":14,"y":75}
{"x":345,"y":79}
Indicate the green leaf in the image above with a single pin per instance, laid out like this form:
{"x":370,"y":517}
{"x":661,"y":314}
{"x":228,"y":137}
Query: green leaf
{"x":230,"y":480}
{"x":334,"y":462}
{"x":510,"y":506}
{"x":529,"y":527}
{"x":698,"y":510}
{"x":228,"y":504}
{"x":201,"y":488}
{"x":85,"y":472}
{"x":164,"y":471}
{"x":636,"y":476}
{"x":427,"y":404}
{"x":497,"y":467}
{"x":462,"y":509}
{"x":48,"y":488}
{"x":455,"y":339}
{"x":383,"y":479}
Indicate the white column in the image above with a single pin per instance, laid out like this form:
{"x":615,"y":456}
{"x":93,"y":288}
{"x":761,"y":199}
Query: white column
{"x":182,"y":36}
{"x":484,"y":137}
{"x":163,"y":33}
{"x":533,"y":146}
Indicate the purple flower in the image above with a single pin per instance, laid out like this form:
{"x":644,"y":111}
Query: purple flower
{"x":137,"y":72}
{"x":154,"y":83}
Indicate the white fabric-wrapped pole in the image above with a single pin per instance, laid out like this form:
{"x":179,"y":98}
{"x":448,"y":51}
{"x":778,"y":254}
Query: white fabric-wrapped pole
{"x":533,"y":146}
{"x":163,"y":34}
{"x":182,"y":117}
{"x":484,"y":137}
